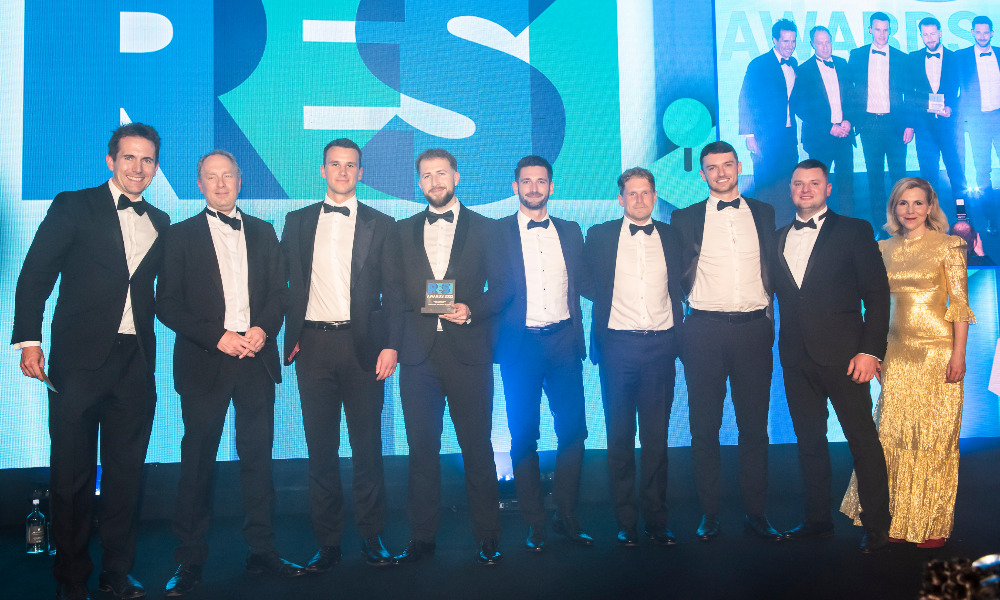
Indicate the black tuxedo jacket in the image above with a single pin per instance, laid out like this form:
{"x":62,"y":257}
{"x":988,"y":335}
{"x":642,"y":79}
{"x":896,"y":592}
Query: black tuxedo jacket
{"x":513,"y":317}
{"x":811,"y":103}
{"x":376,"y":310}
{"x":899,"y":86}
{"x":763,"y":102}
{"x":971,"y":95}
{"x":844,"y":275}
{"x":190,"y":301}
{"x":80,"y":239}
{"x":474,"y":262}
{"x":922,"y":87}
{"x":601,"y":255}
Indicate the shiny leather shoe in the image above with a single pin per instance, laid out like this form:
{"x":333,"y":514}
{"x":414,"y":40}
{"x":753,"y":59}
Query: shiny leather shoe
{"x":414,"y":551}
{"x":810,"y":530}
{"x":628,"y":537}
{"x":709,"y":528}
{"x":324,"y":560}
{"x":758,"y":526}
{"x":536,"y":539}
{"x":375,"y":553}
{"x":72,"y":591}
{"x":489,"y":553}
{"x":874,"y":540}
{"x":661,"y":536}
{"x":570,"y":528}
{"x":120,"y":585}
{"x":259,"y":563}
{"x":185,"y":579}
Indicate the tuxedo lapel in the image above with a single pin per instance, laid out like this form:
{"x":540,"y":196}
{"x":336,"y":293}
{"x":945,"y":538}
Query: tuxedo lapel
{"x":787,"y":272}
{"x":822,"y":242}
{"x":517,"y":257}
{"x":307,"y":242}
{"x":107,"y":214}
{"x":364,"y":230}
{"x":250,"y":236}
{"x":205,"y":248}
{"x":418,"y":244}
{"x":461,"y":233}
{"x":569,"y":258}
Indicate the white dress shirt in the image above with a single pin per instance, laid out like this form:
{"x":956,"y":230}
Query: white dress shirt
{"x":728,"y":278}
{"x":832,"y":85}
{"x":231,"y":252}
{"x":438,"y":240}
{"x":878,"y":81}
{"x":989,"y":79}
{"x":640,"y":300}
{"x":545,"y":275}
{"x":330,"y":280}
{"x":799,"y":246}
{"x":932,"y":68}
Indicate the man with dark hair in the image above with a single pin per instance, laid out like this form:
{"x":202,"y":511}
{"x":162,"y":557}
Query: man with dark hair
{"x":823,"y":99}
{"x":449,"y":356}
{"x":634,"y":263}
{"x":881,"y":79}
{"x":934,"y":72}
{"x":541,"y":347}
{"x":103,"y":354}
{"x":726,"y":246}
{"x":980,"y":84}
{"x":342,"y":330}
{"x":765,"y":113}
{"x":833,"y":294}
{"x":222,"y":290}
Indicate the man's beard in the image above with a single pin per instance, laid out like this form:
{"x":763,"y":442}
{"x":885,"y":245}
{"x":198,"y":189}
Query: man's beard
{"x":532,"y":204}
{"x":443,"y":201}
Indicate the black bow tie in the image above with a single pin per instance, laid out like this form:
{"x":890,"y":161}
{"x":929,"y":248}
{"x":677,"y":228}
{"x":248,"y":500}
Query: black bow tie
{"x":543,"y":224}
{"x":791,"y":62}
{"x":647,"y":228}
{"x":828,"y":63}
{"x":337,"y":209}
{"x":882,"y":52}
{"x":731,"y":204}
{"x":985,"y":53}
{"x":233,"y":222}
{"x":139,"y":206}
{"x":433,"y":217}
{"x":933,"y":55}
{"x":811,"y":224}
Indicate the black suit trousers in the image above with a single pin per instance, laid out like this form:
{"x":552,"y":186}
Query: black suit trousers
{"x":247,"y":383}
{"x":637,"y":378}
{"x":423,"y":389}
{"x":937,"y":139}
{"x":329,"y":378}
{"x":882,"y":143}
{"x":713,"y":351}
{"x":545,"y":361}
{"x":838,"y":155}
{"x":119,"y":399}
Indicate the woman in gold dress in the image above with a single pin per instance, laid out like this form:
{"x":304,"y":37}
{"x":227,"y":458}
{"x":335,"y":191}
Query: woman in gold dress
{"x":919,"y":412}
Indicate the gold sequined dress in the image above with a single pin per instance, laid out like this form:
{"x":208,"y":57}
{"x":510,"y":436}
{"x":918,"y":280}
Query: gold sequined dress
{"x":919,"y":415}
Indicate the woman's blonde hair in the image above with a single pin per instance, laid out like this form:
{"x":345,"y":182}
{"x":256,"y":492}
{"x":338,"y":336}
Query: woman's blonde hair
{"x":936,"y":221}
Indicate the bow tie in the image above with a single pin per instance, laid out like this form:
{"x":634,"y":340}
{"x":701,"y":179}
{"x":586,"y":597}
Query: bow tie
{"x":327,"y":208}
{"x":933,"y":55}
{"x":828,"y":63}
{"x":433,"y":217}
{"x":791,"y":62}
{"x":811,"y":224}
{"x":731,"y":204}
{"x":543,"y":224}
{"x":882,"y":52}
{"x":139,"y":206}
{"x":647,"y":228}
{"x":985,"y":53}
{"x":231,"y":221}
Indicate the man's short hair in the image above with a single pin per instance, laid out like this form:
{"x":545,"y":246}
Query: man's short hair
{"x":812,"y":163}
{"x":878,"y":16}
{"x":342,"y":143}
{"x":437,"y":153}
{"x":929,"y":21}
{"x":782,"y":25}
{"x":817,"y":29}
{"x":134,"y":130}
{"x":217,"y":152}
{"x":632,"y":174}
{"x":532,"y":161}
{"x":966,"y":231}
{"x":718,"y":147}
{"x":982,"y":20}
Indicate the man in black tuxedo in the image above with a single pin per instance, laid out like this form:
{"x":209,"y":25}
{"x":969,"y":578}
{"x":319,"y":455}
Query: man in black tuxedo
{"x":980,"y":84}
{"x":727,"y":244}
{"x":765,"y":114}
{"x":833,"y":295}
{"x":541,"y":347}
{"x":635,"y":265}
{"x":824,"y":100}
{"x":939,"y":134}
{"x":103,"y":354}
{"x":222,"y":290}
{"x":881,"y":78}
{"x":342,"y":330}
{"x":449,"y":355}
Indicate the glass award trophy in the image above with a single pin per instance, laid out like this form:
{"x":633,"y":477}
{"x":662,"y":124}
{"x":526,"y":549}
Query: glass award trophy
{"x":440,"y":297}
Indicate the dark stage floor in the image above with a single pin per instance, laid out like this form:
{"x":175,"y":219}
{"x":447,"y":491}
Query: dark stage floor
{"x":735,"y":566}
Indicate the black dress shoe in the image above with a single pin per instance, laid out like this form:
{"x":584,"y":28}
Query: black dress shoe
{"x":569,"y":527}
{"x":324,"y":559}
{"x":489,"y":553}
{"x":661,"y":536}
{"x":375,"y":553}
{"x":536,"y":539}
{"x":874,"y":540}
{"x":628,"y":537}
{"x":757,"y":525}
{"x":709,"y":528}
{"x":185,"y":578}
{"x":259,"y":563}
{"x":810,"y":530}
{"x":72,"y":591}
{"x":120,"y":585}
{"x":414,"y":551}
